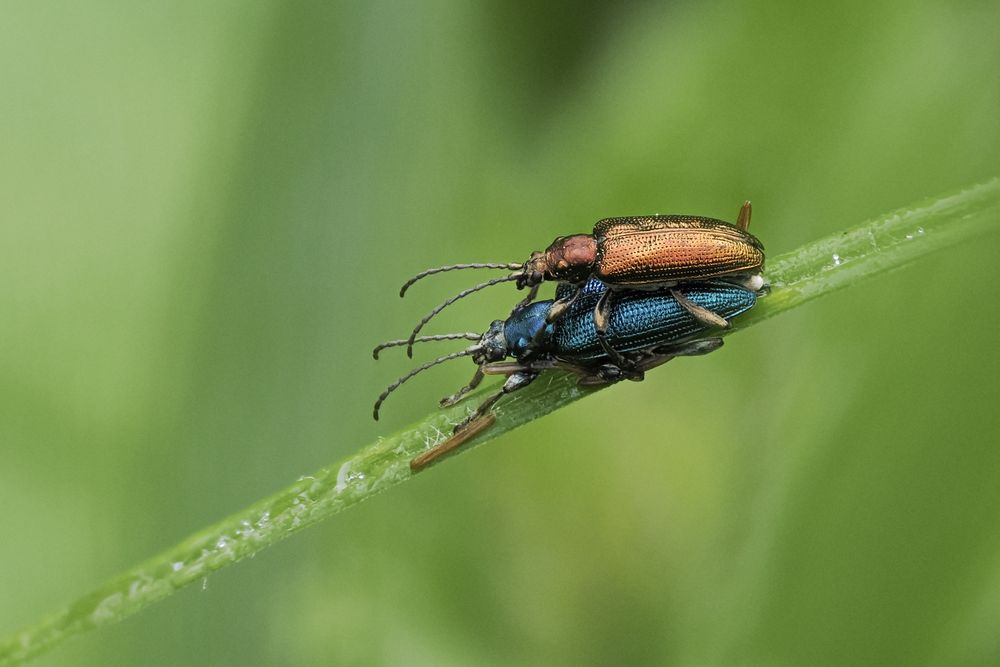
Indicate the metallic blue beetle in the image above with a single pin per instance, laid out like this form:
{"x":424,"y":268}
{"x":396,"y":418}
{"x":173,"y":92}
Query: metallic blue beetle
{"x":646,"y":329}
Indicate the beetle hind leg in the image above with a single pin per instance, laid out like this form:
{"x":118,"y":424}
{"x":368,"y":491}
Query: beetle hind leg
{"x":693,"y":348}
{"x":703,"y":315}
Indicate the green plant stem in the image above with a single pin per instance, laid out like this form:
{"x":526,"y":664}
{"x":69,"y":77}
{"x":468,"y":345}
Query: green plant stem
{"x":796,"y":277}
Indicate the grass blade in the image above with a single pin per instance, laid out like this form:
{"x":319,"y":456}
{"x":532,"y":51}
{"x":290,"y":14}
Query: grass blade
{"x":818,"y":268}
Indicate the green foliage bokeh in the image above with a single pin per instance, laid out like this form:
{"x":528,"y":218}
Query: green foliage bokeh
{"x":206,"y":210}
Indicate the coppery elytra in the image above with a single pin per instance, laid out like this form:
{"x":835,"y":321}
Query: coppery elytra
{"x":647,"y":329}
{"x":638,"y":252}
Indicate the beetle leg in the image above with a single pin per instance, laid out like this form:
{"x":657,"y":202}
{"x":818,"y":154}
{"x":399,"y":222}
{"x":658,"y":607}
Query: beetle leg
{"x":654,"y":361}
{"x":610,"y":374}
{"x":692,"y":348}
{"x":743,"y":219}
{"x":560,"y":306}
{"x":511,"y":367}
{"x":529,"y":297}
{"x":503,"y":368}
{"x":602,"y":311}
{"x":507,"y":368}
{"x":454,"y":442}
{"x":620,"y":368}
{"x":457,"y":396}
{"x":482,"y":418}
{"x":517,"y":380}
{"x":703,"y":315}
{"x":661,"y":355}
{"x":636,"y":370}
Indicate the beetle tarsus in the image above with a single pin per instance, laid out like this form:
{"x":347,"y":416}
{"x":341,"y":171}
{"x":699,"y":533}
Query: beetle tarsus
{"x":448,"y":401}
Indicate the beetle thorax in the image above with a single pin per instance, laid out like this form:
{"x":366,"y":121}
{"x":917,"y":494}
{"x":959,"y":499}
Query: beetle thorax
{"x":571,"y":258}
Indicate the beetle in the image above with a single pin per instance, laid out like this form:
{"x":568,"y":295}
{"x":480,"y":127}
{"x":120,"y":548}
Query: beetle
{"x":637,"y":252}
{"x":647,"y":328}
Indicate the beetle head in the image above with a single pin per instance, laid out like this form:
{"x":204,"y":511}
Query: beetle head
{"x":568,"y":259}
{"x":533,"y":271}
{"x":493,"y":344}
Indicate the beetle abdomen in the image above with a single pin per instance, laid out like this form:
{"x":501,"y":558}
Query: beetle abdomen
{"x":663,"y":249}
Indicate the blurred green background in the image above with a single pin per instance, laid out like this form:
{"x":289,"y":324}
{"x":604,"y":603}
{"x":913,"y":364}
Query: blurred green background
{"x":206,"y":210}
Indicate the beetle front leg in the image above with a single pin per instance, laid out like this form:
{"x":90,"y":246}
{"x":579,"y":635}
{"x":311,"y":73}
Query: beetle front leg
{"x":478,"y":421}
{"x":448,"y":401}
{"x":507,"y":368}
{"x":703,"y":315}
{"x":560,"y":306}
{"x":517,"y":380}
{"x":530,"y":296}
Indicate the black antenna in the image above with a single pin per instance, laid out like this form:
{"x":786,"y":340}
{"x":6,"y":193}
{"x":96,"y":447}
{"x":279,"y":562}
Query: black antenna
{"x":423,"y":339}
{"x":464,"y":293}
{"x":455,"y":267}
{"x":395,"y":385}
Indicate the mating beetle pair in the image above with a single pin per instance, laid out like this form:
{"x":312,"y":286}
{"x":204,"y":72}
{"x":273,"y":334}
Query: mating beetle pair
{"x":673,"y":278}
{"x":642,"y":252}
{"x":647,"y":329}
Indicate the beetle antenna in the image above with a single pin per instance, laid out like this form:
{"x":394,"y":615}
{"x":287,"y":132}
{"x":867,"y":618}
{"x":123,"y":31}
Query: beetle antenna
{"x":395,"y":385}
{"x":454,"y":267}
{"x":423,"y":339}
{"x":464,"y":293}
